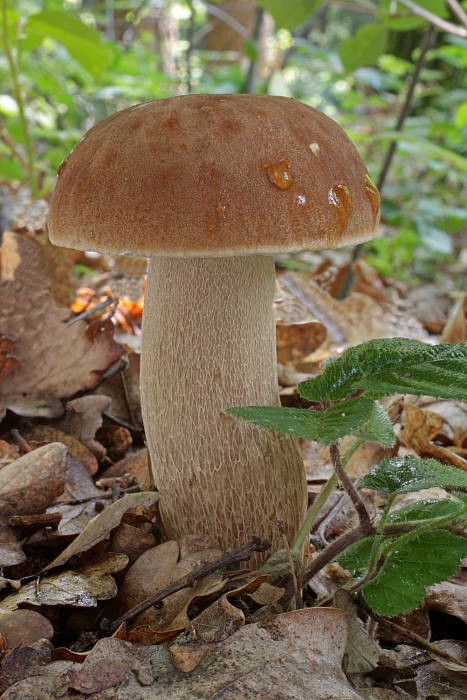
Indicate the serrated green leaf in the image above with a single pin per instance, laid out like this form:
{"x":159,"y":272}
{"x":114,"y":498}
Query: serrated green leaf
{"x":82,"y":42}
{"x":426,"y":510}
{"x":290,"y":14}
{"x":364,"y":48}
{"x":413,"y":474}
{"x":356,"y":558}
{"x":400,"y":585}
{"x":391,"y":366}
{"x":348,"y":417}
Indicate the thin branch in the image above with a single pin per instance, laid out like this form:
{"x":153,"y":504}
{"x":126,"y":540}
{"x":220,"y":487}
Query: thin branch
{"x":436,"y":21}
{"x":242,"y":554}
{"x":216,"y":11}
{"x":252,"y":74}
{"x":421,"y":641}
{"x":348,"y":487}
{"x":427,"y":43}
{"x":458,"y":10}
{"x":330,"y":553}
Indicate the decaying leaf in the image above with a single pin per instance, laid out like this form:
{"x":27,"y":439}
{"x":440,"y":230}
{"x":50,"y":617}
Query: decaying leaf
{"x":295,"y":655}
{"x":455,"y":330}
{"x":41,"y":359}
{"x":32,"y":482}
{"x":23,"y":627}
{"x":421,"y":427}
{"x":83,"y":417}
{"x":101,"y":525}
{"x":38,"y":435}
{"x":11,"y":552}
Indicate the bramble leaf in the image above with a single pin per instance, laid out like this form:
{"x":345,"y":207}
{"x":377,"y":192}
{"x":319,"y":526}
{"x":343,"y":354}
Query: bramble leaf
{"x":400,"y":585}
{"x":348,"y":417}
{"x":391,"y":366}
{"x":413,"y":474}
{"x":426,"y":510}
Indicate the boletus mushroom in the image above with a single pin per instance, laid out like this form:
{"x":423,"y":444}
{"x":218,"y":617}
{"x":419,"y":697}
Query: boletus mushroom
{"x":210,"y":187}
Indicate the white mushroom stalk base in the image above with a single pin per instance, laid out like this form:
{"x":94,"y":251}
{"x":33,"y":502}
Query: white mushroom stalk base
{"x":209,"y":344}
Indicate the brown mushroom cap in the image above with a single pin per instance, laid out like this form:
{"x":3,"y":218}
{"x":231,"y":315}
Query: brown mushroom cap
{"x":213,"y":175}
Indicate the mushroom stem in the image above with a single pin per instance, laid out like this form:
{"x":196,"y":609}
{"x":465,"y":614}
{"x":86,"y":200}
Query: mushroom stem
{"x":208,"y":344}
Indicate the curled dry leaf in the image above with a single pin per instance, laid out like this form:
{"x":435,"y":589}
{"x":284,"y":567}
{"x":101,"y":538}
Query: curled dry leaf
{"x":67,"y":588}
{"x":82,"y":419}
{"x":123,"y":388}
{"x":37,"y":435}
{"x":100,"y":527}
{"x":11,"y":552}
{"x":420,"y":428}
{"x":295,"y":341}
{"x":23,"y":627}
{"x":41,"y":359}
{"x":32,"y":482}
{"x":135,"y":463}
{"x":455,"y":330}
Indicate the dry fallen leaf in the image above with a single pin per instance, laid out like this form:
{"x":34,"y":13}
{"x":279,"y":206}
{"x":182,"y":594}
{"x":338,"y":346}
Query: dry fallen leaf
{"x":32,"y":482}
{"x":421,"y":427}
{"x":100,"y":527}
{"x":11,"y":552}
{"x":455,"y":330}
{"x":22,"y":627}
{"x":291,"y":656}
{"x":294,"y":341}
{"x":82,"y":419}
{"x":41,"y":359}
{"x":37,"y":435}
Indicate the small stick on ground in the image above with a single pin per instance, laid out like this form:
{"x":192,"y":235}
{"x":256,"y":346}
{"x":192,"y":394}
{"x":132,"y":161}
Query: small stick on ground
{"x":242,"y":554}
{"x":416,"y":638}
{"x":20,"y":441}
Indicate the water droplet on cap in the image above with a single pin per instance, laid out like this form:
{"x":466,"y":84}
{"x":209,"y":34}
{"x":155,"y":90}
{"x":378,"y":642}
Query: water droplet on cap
{"x":340,"y":199}
{"x":372,"y":193}
{"x":299,"y":200}
{"x":314,"y":148}
{"x":279,"y":174}
{"x":62,"y":167}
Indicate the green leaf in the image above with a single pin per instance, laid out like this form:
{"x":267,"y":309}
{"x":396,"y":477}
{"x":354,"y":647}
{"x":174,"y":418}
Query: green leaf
{"x":364,"y":48}
{"x":290,"y":14}
{"x":356,"y":558}
{"x":396,"y":365}
{"x":400,"y":585}
{"x":461,"y":115}
{"x":11,"y":170}
{"x":358,"y":415}
{"x":426,"y":510}
{"x":413,"y":474}
{"x":82,"y":42}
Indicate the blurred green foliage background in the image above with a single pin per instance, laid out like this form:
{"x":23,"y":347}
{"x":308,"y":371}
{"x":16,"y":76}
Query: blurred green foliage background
{"x":66,"y":65}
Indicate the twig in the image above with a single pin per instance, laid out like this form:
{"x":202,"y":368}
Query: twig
{"x":216,"y":11}
{"x":242,"y":554}
{"x":424,"y":643}
{"x":436,"y":21}
{"x":458,"y":10}
{"x":123,"y":423}
{"x":250,"y":85}
{"x":87,"y":312}
{"x":5,"y":137}
{"x":20,"y":440}
{"x":350,"y":489}
{"x":427,"y":42}
{"x":330,"y":553}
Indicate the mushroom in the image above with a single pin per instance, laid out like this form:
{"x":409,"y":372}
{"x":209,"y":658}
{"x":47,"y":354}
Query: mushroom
{"x":210,"y":187}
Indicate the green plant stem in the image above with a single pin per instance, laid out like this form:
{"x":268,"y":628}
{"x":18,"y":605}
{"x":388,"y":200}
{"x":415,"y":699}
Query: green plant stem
{"x":321,"y":499}
{"x":19,"y":100}
{"x":408,"y":536}
{"x":375,"y":550}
